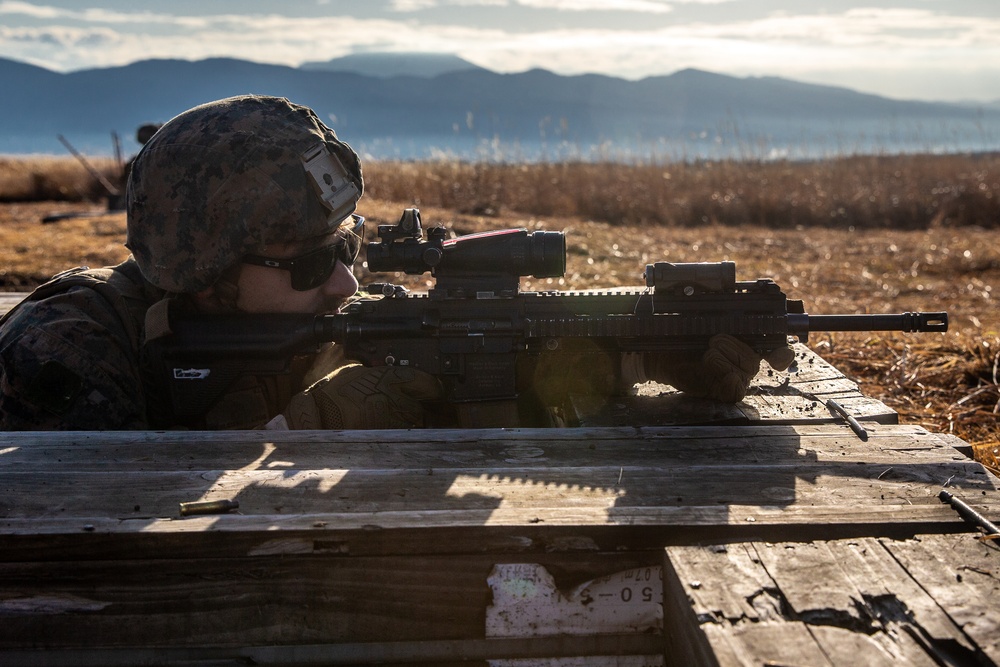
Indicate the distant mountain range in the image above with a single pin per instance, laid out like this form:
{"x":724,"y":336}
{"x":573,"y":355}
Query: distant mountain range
{"x":386,"y":65}
{"x":392,"y":106}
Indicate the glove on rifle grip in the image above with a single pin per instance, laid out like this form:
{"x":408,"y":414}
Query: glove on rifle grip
{"x":781,"y":358}
{"x":723,"y":373}
{"x":731,"y":366}
{"x":359,"y":397}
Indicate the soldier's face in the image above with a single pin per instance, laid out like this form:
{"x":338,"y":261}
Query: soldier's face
{"x":264,"y":289}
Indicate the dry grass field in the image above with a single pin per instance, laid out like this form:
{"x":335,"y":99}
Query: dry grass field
{"x":879,"y":234}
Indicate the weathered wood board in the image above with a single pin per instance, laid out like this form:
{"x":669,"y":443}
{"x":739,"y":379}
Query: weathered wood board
{"x":709,"y":477}
{"x":929,"y":600}
{"x":795,"y":396}
{"x":365,"y":546}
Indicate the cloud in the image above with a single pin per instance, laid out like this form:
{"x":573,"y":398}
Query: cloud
{"x":894,"y":51}
{"x":265,"y":38}
{"x":644,"y":6}
{"x":62,"y":37}
{"x":28,"y":9}
{"x":922,"y":29}
{"x":420,"y":5}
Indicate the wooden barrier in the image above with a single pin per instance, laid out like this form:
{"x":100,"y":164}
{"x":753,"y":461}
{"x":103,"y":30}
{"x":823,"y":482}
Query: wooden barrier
{"x":931,"y":599}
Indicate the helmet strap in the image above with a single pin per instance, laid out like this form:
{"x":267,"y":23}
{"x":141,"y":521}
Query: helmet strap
{"x":221,"y":297}
{"x":227,"y":289}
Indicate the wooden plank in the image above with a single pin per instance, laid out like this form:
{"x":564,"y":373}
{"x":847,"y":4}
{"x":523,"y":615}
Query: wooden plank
{"x":794,"y":409}
{"x":305,"y":599}
{"x":663,"y":406}
{"x":605,"y":648}
{"x":780,"y":467}
{"x":843,"y":602}
{"x":508,"y":490}
{"x":795,"y":396}
{"x":216,"y":601}
{"x":145,"y":451}
{"x":294,"y":491}
{"x":962,"y":575}
{"x":795,"y":643}
{"x":501,"y":529}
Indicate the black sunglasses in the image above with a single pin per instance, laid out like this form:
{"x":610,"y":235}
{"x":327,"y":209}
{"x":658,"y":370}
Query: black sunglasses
{"x":312,"y":269}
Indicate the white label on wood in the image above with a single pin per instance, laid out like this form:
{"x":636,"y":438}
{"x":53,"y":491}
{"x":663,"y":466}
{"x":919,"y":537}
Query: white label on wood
{"x":527,"y":603}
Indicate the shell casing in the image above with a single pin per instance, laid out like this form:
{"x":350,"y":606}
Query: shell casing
{"x":208,"y":507}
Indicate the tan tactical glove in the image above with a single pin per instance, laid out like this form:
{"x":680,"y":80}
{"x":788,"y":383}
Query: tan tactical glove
{"x":723,"y":372}
{"x":330,"y":358}
{"x":555,"y":377}
{"x":359,"y":397}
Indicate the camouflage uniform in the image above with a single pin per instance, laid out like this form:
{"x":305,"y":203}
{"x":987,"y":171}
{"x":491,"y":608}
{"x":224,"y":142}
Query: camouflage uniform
{"x":214,"y":184}
{"x":72,"y":357}
{"x":69,"y":355}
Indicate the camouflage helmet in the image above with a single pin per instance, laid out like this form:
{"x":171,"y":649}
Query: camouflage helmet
{"x":225,"y":179}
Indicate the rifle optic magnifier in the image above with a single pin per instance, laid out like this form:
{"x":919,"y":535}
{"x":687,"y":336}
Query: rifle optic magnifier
{"x":509,"y":252}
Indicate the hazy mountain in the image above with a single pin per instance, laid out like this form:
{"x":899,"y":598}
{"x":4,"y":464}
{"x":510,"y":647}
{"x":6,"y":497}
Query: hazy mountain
{"x":385,"y":65}
{"x":471,"y":112}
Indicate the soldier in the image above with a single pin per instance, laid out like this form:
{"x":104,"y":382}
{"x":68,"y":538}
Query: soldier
{"x":146,"y":131}
{"x":242,"y":205}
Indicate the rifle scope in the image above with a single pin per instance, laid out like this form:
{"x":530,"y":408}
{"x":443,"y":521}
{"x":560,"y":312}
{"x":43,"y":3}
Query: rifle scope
{"x":506,"y":252}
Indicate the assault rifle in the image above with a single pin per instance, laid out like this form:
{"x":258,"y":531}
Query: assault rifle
{"x":481,"y":336}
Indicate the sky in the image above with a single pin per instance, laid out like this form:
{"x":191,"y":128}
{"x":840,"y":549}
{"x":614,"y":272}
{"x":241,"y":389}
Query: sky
{"x":906,"y":49}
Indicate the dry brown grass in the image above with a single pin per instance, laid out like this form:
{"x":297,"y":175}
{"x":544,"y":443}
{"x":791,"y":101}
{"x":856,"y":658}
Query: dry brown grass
{"x":905,"y":192}
{"x":50,"y":178}
{"x":948,"y":386}
{"x":936,"y":256}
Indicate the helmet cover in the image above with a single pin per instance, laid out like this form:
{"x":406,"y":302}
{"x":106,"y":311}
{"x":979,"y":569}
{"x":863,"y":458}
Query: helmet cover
{"x":226,"y":179}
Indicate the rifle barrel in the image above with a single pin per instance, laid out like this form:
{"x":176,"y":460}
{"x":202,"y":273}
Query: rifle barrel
{"x":909,"y":322}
